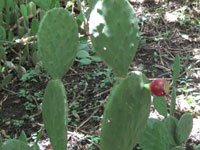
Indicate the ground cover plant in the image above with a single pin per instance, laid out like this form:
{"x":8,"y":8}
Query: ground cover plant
{"x":41,"y":40}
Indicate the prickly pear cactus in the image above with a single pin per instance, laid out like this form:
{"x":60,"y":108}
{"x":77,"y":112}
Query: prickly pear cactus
{"x":1,"y":143}
{"x":15,"y":145}
{"x":184,"y":127}
{"x":170,"y":124}
{"x":168,"y":134}
{"x":155,"y":136}
{"x":54,"y":113}
{"x":126,"y":113}
{"x":114,"y":30}
{"x":57,"y":44}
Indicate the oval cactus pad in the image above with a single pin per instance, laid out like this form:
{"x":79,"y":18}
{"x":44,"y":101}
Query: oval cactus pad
{"x":126,"y":113}
{"x":57,"y":41}
{"x":114,"y":33}
{"x":54,"y":113}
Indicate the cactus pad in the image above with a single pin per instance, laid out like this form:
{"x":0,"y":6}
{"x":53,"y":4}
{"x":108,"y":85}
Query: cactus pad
{"x":57,"y":41}
{"x":15,"y":145}
{"x":126,"y":113}
{"x":114,"y":33}
{"x":170,"y":124}
{"x":54,"y":114}
{"x":184,"y":127}
{"x":155,"y":136}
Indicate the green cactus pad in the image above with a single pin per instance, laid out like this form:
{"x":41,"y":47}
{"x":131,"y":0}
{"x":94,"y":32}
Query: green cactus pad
{"x":23,"y":137}
{"x":126,"y":113}
{"x":170,"y":124}
{"x":15,"y":145}
{"x":155,"y":136}
{"x":184,"y":127}
{"x":54,"y":114}
{"x":1,"y":143}
{"x":178,"y":148}
{"x":114,"y":30}
{"x":57,"y":41}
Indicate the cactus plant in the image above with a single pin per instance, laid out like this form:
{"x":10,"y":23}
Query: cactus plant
{"x":54,"y":113}
{"x":173,"y":132}
{"x":15,"y":145}
{"x":1,"y":143}
{"x":128,"y":106}
{"x":155,"y":136}
{"x":170,"y":124}
{"x":184,"y":127}
{"x":111,"y":40}
{"x":126,"y":113}
{"x":57,"y":44}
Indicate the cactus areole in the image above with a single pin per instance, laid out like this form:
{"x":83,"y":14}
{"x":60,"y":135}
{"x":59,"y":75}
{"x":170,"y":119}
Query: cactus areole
{"x":159,"y":87}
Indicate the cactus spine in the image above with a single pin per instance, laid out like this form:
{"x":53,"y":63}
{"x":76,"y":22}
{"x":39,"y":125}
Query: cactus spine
{"x":114,"y":37}
{"x":57,"y":44}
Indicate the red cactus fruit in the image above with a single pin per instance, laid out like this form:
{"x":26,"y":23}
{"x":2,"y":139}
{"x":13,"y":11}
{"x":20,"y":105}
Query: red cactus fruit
{"x":159,"y":87}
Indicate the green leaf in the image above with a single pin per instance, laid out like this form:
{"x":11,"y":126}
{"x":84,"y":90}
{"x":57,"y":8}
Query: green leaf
{"x":23,"y":137}
{"x":8,"y":4}
{"x":10,"y":35}
{"x":155,"y":136}
{"x":1,"y":5}
{"x":32,"y":9}
{"x":2,"y":33}
{"x":178,"y":148}
{"x":23,"y":10}
{"x":21,"y":71}
{"x":34,"y":26}
{"x":184,"y":127}
{"x":95,"y":58}
{"x":160,"y":105}
{"x":170,"y":124}
{"x":7,"y":79}
{"x":1,"y":143}
{"x":198,"y":147}
{"x":176,"y":69}
{"x":82,"y":54}
{"x":1,"y":19}
{"x":9,"y":64}
{"x":15,"y":145}
{"x":44,"y":4}
{"x":54,"y":114}
{"x":83,"y":46}
{"x":173,"y":101}
{"x":34,"y":58}
{"x":57,"y":42}
{"x":2,"y":54}
{"x":85,"y":61}
{"x":80,"y":17}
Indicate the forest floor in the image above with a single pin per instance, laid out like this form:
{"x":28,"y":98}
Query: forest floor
{"x":166,"y":30}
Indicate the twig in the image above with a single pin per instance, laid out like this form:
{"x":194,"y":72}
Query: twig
{"x":99,"y":94}
{"x":88,"y":109}
{"x":4,"y":99}
{"x":14,"y":93}
{"x":85,"y":121}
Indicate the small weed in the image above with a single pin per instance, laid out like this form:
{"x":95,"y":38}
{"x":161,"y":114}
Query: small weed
{"x":18,"y":123}
{"x":29,"y":106}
